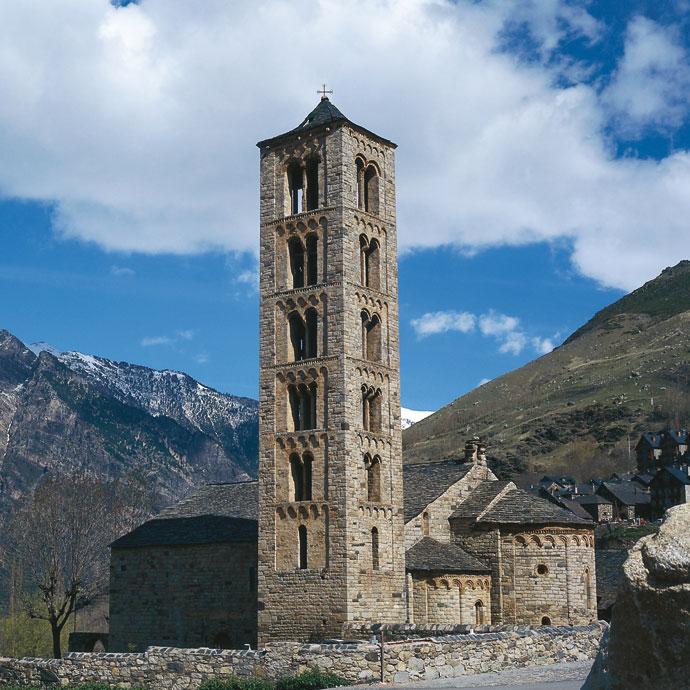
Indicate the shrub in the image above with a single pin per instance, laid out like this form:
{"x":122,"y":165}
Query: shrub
{"x":314,"y":679}
{"x":237,"y":683}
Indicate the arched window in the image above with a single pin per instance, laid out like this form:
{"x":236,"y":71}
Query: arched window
{"x":425,"y":523}
{"x":297,"y":476}
{"x":374,"y":548}
{"x":373,"y":467}
{"x":295,"y":177}
{"x":312,"y":184}
{"x":300,"y":472}
{"x":359,"y":164}
{"x":296,"y":251}
{"x":546,"y":620}
{"x":588,"y":588}
{"x":373,"y":336}
{"x":302,"y":547}
{"x":373,"y":265}
{"x":312,"y":259}
{"x":311,"y":334}
{"x":371,"y":190}
{"x":363,"y":246}
{"x":371,"y":409}
{"x":479,"y":613}
{"x":297,"y":337}
{"x":302,"y":402}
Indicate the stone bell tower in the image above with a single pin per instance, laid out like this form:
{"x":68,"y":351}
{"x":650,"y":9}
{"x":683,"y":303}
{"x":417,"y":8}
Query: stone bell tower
{"x":331,"y":542}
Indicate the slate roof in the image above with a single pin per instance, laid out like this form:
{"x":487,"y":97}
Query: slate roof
{"x":626,"y":493}
{"x":488,"y":504}
{"x":232,"y":499}
{"x":424,"y":483}
{"x":576,"y":509}
{"x":325,"y":113}
{"x":214,"y":513}
{"x":557,"y":479}
{"x":202,"y":529}
{"x":590,"y":499}
{"x":653,"y":439}
{"x":675,"y":472}
{"x":429,"y":554}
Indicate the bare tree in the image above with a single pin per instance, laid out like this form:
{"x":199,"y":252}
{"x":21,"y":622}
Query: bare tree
{"x":59,"y":536}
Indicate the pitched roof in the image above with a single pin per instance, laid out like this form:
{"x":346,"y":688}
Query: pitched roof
{"x":590,"y":499}
{"x":232,"y":499}
{"x":202,"y":529}
{"x":575,"y":508}
{"x":653,"y":439}
{"x":675,"y":472}
{"x":429,"y":554}
{"x":325,"y":113}
{"x":424,"y":483}
{"x":504,"y":503}
{"x":627,"y":493}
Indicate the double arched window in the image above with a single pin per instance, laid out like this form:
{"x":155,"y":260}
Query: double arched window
{"x":372,"y":467}
{"x":371,"y":336}
{"x":302,"y":400}
{"x":370,"y":260}
{"x":303,"y":335}
{"x":368,"y":185}
{"x":304,"y":270}
{"x":300,"y":476}
{"x":371,"y":409}
{"x":303,"y":186}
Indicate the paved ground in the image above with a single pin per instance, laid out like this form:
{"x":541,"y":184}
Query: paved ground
{"x":552,"y":677}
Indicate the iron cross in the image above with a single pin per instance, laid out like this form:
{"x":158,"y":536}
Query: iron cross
{"x":323,"y":91}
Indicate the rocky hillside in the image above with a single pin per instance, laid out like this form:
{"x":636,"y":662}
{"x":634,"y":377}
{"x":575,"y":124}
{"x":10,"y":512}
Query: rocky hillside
{"x":67,"y":411}
{"x":581,"y":407}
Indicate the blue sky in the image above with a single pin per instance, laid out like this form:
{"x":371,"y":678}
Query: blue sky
{"x":542,"y":171}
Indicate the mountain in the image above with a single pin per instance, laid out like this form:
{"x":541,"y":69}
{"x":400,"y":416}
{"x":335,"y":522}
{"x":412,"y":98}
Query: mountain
{"x":64,"y":412}
{"x":410,"y":417}
{"x":581,"y":408}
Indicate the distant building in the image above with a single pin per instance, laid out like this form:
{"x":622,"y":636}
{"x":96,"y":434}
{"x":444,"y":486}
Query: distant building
{"x":669,"y":487}
{"x":629,"y":499}
{"x":596,"y":507}
{"x":668,"y":447}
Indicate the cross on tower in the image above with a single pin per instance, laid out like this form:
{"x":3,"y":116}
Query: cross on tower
{"x":323,"y":91}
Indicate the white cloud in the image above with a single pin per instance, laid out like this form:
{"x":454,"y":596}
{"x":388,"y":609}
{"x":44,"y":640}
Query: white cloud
{"x":483,"y":381}
{"x":652,"y":82}
{"x":139,"y":122}
{"x":201,"y":358}
{"x":442,"y":322}
{"x":506,"y":330}
{"x":186,"y":335}
{"x":121,"y":271}
{"x":157,"y":340}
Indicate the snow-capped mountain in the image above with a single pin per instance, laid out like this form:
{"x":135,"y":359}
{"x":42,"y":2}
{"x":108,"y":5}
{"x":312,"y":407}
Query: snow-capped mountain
{"x":410,"y":417}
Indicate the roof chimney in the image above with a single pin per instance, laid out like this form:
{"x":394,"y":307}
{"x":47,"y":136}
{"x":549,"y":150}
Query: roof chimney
{"x":475,"y":451}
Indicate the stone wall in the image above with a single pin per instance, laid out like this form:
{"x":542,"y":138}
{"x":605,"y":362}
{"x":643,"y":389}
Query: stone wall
{"x":441,"y":657}
{"x":449,"y":598}
{"x":183,"y":596}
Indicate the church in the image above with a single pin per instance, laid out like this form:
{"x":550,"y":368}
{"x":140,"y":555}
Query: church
{"x":336,"y":530}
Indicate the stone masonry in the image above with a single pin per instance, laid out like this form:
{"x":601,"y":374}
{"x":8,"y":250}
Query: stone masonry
{"x":331,"y":549}
{"x":451,"y":655}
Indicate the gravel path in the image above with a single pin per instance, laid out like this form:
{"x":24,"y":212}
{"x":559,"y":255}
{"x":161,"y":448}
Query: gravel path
{"x":552,"y":677}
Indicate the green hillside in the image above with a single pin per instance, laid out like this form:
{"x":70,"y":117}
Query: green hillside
{"x":581,"y":408}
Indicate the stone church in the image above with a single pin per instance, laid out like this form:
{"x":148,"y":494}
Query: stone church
{"x":336,"y":530}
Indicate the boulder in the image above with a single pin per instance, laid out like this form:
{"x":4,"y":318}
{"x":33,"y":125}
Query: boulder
{"x":648,"y":645}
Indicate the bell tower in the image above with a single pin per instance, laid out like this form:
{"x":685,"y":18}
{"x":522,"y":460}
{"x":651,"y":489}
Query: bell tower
{"x":331,"y":540}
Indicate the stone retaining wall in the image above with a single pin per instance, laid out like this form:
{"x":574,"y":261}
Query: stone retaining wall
{"x":442,"y":657}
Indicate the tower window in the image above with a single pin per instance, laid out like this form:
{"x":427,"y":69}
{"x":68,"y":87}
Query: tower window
{"x":312,"y":259}
{"x":311,"y":334}
{"x":297,"y":337}
{"x":374,"y":548}
{"x":359,"y":164}
{"x":312,"y":185}
{"x":295,"y":178}
{"x":425,"y":524}
{"x":301,"y":472}
{"x":302,"y":403}
{"x":371,"y":190}
{"x":371,"y":409}
{"x":296,"y":252}
{"x":371,"y":337}
{"x":373,"y":468}
{"x":370,"y":262}
{"x":302,"y":547}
